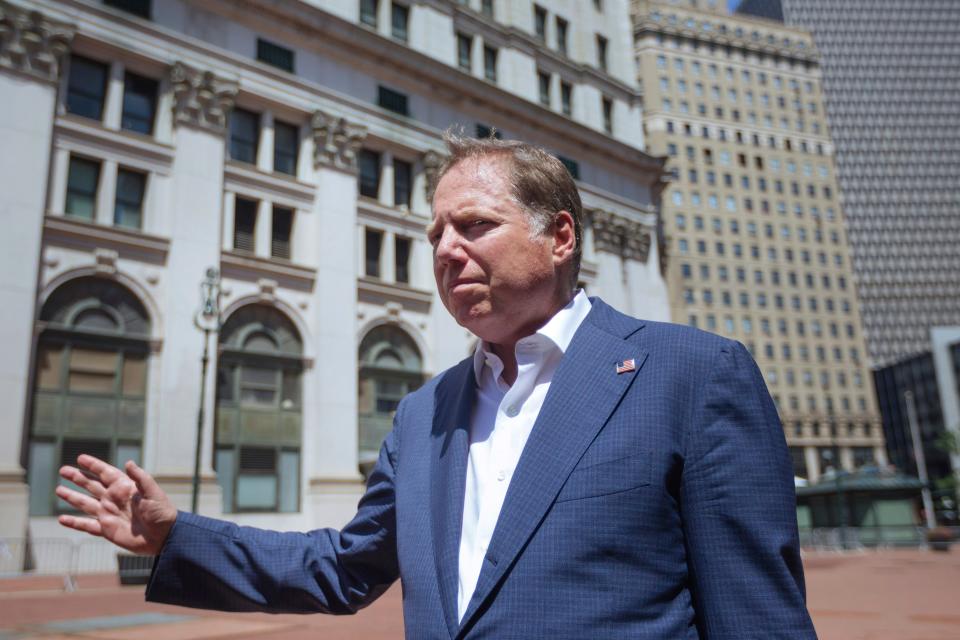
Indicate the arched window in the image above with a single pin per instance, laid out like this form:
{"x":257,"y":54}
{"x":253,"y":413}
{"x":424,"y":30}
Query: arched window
{"x":89,"y":392}
{"x":258,"y":430}
{"x":390,"y":368}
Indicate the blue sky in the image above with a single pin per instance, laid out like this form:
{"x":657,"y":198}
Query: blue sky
{"x":732,"y":4}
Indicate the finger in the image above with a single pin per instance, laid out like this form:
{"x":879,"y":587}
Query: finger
{"x":87,"y":525}
{"x":106,"y":473}
{"x":145,"y":482}
{"x":78,"y":500}
{"x":83,"y":481}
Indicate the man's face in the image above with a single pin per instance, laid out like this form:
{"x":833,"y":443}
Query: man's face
{"x":495,"y":276}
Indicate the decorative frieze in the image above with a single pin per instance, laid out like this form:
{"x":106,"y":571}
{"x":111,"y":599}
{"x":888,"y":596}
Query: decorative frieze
{"x":31,"y":43}
{"x":336,"y":142}
{"x":200,"y":98}
{"x":615,"y":234}
{"x":432,"y":161}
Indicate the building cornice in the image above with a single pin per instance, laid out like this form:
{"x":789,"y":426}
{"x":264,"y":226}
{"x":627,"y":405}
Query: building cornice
{"x":388,"y":292}
{"x":241,"y":266}
{"x":246,"y":179}
{"x":130,"y":244}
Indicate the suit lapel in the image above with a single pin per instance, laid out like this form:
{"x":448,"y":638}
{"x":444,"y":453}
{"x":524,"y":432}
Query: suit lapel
{"x":583,"y":394}
{"x":453,"y":404}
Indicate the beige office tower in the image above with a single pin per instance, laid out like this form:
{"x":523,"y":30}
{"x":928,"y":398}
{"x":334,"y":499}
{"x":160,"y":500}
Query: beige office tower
{"x":752,"y":218}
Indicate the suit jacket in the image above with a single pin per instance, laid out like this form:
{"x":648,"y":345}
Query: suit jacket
{"x":656,"y":503}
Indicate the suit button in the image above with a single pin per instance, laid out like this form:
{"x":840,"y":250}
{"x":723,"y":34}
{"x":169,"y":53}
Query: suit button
{"x":501,"y":475}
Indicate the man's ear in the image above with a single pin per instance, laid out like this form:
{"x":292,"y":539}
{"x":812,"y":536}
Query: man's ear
{"x":564,"y":237}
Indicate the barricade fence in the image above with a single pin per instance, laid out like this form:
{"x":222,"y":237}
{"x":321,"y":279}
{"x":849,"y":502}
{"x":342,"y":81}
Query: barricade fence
{"x":65,"y":558}
{"x":853,"y":538}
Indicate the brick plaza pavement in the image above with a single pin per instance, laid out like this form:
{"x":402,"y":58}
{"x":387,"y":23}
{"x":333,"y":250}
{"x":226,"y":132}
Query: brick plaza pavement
{"x":888,"y":595}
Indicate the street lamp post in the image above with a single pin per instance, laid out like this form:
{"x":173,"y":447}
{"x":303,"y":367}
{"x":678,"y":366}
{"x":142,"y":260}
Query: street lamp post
{"x":208,"y":321}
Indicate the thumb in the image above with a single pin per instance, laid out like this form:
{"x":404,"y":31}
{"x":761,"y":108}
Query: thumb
{"x":145,"y":483}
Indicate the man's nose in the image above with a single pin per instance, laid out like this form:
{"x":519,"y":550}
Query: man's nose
{"x":449,"y":247}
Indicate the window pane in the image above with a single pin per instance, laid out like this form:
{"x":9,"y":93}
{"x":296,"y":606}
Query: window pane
{"x":399,"y":15}
{"x":275,"y":55}
{"x":392,"y":101}
{"x":402,"y":178}
{"x":259,"y":459}
{"x":291,"y":389}
{"x":256,"y":492}
{"x":280,"y":238}
{"x":373,"y":240}
{"x":368,"y":12}
{"x":41,"y":471}
{"x":226,"y":376}
{"x":369,"y":173}
{"x":464,"y":49}
{"x":258,"y":386}
{"x":490,"y":64}
{"x":137,"y":7}
{"x":244,"y":224}
{"x":92,"y":370}
{"x":82,"y":182}
{"x":244,"y":135}
{"x":139,"y":103}
{"x":49,"y":361}
{"x":86,"y":87}
{"x":402,"y":259}
{"x":126,"y":452}
{"x":225,"y":475}
{"x":285,"y":148}
{"x":289,"y":481}
{"x":134,"y":374}
{"x":128,"y":207}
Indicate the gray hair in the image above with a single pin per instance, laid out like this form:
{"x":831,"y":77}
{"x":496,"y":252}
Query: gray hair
{"x":540,"y":183}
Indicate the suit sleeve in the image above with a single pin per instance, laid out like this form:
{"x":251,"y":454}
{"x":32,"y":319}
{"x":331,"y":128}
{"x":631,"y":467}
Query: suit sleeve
{"x":212,"y":564}
{"x":739,"y":512}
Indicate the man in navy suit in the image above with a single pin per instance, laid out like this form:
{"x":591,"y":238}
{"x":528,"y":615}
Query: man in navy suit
{"x":583,"y":475}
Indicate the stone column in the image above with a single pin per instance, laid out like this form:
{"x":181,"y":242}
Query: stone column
{"x":201,"y":104}
{"x":622,"y":246}
{"x":32,"y":48}
{"x":330,"y":440}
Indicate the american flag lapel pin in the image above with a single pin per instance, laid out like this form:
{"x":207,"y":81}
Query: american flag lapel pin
{"x":626,"y":366}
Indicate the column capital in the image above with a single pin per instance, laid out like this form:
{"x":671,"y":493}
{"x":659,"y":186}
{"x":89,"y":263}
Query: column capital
{"x":200,"y":98}
{"x":616,"y":234}
{"x":336,"y":141}
{"x":432,"y":161}
{"x":31,"y":43}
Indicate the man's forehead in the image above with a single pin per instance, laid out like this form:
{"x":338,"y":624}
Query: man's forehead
{"x":482,"y":173}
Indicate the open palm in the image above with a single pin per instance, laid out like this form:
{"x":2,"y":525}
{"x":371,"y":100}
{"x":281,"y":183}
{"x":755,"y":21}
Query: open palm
{"x":128,"y":509}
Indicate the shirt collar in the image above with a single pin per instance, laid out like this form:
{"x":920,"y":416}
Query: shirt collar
{"x":559,"y":330}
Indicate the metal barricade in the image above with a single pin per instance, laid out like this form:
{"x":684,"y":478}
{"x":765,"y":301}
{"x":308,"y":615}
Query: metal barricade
{"x":56,"y":557}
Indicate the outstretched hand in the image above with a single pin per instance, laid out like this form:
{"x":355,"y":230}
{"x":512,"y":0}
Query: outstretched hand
{"x":128,"y":509}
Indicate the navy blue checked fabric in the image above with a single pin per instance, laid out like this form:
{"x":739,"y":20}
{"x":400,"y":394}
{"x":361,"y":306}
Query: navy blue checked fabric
{"x":656,"y":503}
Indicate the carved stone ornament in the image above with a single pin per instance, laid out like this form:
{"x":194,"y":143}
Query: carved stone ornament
{"x":432,"y":161}
{"x":31,"y":43}
{"x":336,"y":142}
{"x":615,"y":234}
{"x":201,"y":99}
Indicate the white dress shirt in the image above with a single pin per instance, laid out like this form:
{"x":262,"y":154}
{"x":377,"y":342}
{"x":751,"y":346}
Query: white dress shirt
{"x":500,"y":425}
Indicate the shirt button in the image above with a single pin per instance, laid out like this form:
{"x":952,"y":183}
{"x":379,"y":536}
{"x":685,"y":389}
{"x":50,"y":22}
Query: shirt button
{"x":512,"y":411}
{"x":501,"y":475}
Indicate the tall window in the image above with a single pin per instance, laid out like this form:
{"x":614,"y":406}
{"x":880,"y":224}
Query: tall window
{"x":128,"y":206}
{"x":544,"y":82}
{"x":402,"y":183}
{"x":86,"y":87}
{"x":372,"y":244}
{"x":566,"y":98}
{"x":562,"y":28}
{"x":401,"y":259}
{"x":608,"y":115}
{"x":259,"y":399}
{"x":490,"y":63}
{"x":244,"y":224}
{"x":89,"y":393}
{"x":602,"y":52}
{"x":280,"y":233}
{"x":399,"y":17}
{"x":390,"y":368}
{"x":139,"y":103}
{"x":244,"y":135}
{"x":368,"y":12}
{"x":369,"y":173}
{"x":464,"y":51}
{"x":486,"y":8}
{"x":540,"y":22}
{"x":286,"y":147}
{"x":82,"y":180}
